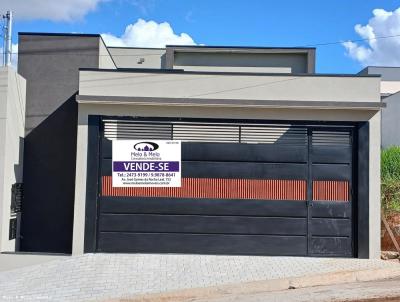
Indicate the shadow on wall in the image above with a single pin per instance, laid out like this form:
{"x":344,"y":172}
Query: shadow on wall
{"x":49,"y":182}
{"x":18,"y":169}
{"x":18,"y":172}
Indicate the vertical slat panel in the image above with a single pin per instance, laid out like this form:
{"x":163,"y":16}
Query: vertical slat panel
{"x":219,"y":188}
{"x":332,"y":190}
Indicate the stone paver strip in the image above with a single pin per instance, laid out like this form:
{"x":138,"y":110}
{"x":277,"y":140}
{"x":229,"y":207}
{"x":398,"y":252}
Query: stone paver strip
{"x":96,"y":277}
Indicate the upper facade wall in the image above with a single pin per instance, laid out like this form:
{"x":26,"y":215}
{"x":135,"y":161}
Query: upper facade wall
{"x":390,"y":83}
{"x":390,"y":119}
{"x":50,"y":65}
{"x":105,"y":59}
{"x":125,"y":57}
{"x":241,"y":60}
{"x":230,"y":59}
{"x":229,"y":86}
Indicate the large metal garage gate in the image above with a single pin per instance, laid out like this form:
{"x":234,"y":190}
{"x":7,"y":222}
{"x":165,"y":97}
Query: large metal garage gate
{"x":260,"y":189}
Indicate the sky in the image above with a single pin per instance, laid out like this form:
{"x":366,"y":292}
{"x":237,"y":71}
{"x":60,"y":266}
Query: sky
{"x":330,"y":26}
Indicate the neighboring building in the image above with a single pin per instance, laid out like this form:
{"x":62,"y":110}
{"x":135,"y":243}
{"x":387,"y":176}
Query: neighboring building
{"x":276,"y":160}
{"x":12,"y":124}
{"x":390,"y":92}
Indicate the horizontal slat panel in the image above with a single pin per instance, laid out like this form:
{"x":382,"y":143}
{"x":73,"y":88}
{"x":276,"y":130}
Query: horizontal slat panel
{"x":124,"y":130}
{"x":206,"y":132}
{"x":232,"y":152}
{"x":202,"y":224}
{"x":330,"y":227}
{"x":331,"y":246}
{"x":331,"y":138}
{"x":234,"y":170}
{"x":331,"y":172}
{"x":331,"y":210}
{"x":274,"y":135}
{"x":202,"y":244}
{"x":243,"y":152}
{"x":240,"y":207}
{"x":117,"y":127}
{"x":244,"y":170}
{"x":331,"y":154}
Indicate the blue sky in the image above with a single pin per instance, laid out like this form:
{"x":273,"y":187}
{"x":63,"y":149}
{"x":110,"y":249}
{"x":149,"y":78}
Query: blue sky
{"x":235,"y":22}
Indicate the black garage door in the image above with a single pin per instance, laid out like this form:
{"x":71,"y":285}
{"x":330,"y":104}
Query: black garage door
{"x":247,"y":188}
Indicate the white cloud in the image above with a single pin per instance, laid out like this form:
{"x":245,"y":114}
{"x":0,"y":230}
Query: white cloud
{"x":148,"y":34}
{"x":377,"y":51}
{"x":54,"y":10}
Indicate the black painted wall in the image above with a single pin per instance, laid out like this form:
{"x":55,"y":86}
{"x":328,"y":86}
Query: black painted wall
{"x":50,"y":64}
{"x":362,"y":210}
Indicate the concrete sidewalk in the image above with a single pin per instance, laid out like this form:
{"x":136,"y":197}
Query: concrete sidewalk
{"x":10,"y":261}
{"x":112,"y":276}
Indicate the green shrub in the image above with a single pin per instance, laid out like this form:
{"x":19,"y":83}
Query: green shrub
{"x":391,"y":163}
{"x":391,"y":195}
{"x":390,"y":173}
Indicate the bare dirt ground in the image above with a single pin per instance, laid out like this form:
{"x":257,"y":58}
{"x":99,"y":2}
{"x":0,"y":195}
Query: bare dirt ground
{"x":379,"y":300}
{"x":394,"y":223}
{"x":374,"y":291}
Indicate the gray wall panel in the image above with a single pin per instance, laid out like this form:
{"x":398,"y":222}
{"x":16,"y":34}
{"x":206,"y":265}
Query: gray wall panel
{"x":50,"y":64}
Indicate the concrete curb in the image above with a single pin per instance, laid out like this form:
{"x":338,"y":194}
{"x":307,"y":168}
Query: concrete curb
{"x":255,"y":287}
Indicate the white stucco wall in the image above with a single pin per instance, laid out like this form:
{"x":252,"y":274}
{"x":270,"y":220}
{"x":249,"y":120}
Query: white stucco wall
{"x":375,"y":186}
{"x":105,"y":59}
{"x":245,"y":61}
{"x":12,"y":127}
{"x":236,"y":69}
{"x":390,"y":121}
{"x":230,"y":86}
{"x":132,"y":57}
{"x":390,"y":87}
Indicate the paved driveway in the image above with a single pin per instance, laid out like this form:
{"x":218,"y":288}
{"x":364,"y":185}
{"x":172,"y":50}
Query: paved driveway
{"x":102,"y":276}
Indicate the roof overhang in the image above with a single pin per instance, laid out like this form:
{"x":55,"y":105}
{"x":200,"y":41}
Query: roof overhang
{"x":229,"y":103}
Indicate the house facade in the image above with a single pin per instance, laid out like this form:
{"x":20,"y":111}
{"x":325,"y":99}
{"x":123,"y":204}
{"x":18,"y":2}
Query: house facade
{"x":275,"y":159}
{"x":390,"y":93}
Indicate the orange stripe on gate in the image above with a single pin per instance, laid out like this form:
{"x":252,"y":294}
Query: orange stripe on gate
{"x":217,"y":188}
{"x":331,"y":190}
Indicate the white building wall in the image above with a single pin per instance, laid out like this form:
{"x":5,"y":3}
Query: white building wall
{"x":237,"y":61}
{"x":105,"y":59}
{"x":375,"y":186}
{"x":230,"y":86}
{"x":12,"y":127}
{"x":390,"y":121}
{"x":132,"y":57}
{"x":3,"y":122}
{"x":390,"y":87}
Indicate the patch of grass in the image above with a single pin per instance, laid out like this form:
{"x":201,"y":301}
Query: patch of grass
{"x":390,"y":173}
{"x":391,"y":163}
{"x":391,"y":195}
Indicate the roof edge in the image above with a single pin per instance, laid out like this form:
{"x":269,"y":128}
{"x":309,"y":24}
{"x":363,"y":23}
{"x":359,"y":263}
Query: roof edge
{"x":57,"y":34}
{"x":243,"y":103}
{"x":131,"y":47}
{"x":182,"y":71}
{"x":237,"y":47}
